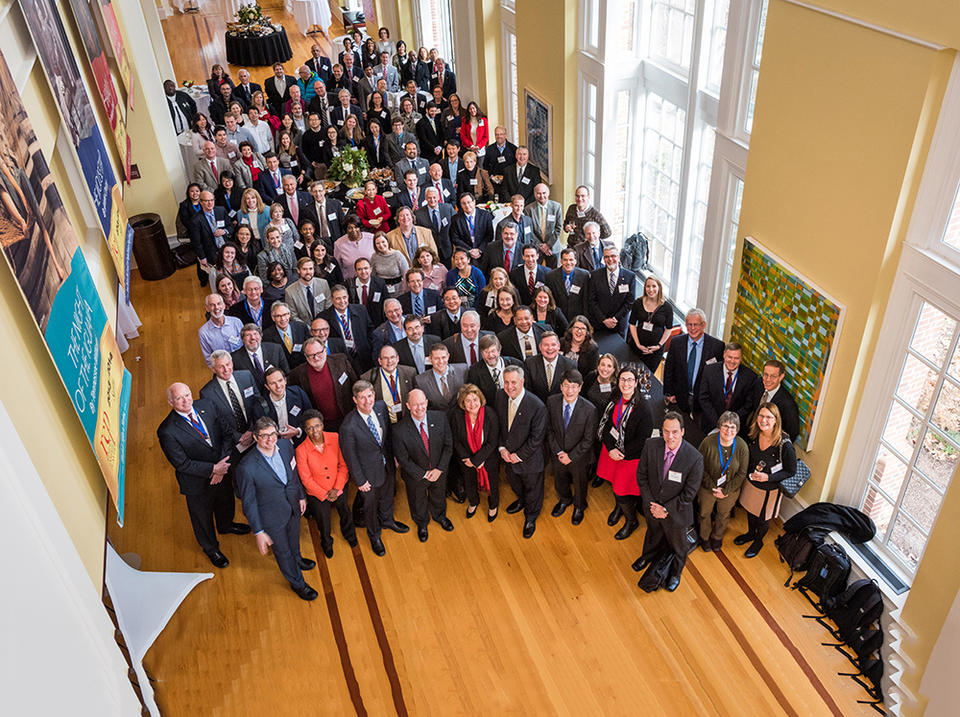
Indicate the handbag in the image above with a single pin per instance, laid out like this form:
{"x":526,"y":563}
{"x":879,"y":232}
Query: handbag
{"x":690,"y":539}
{"x":792,"y":485}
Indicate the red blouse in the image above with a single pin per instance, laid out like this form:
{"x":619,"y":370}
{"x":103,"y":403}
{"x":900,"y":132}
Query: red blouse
{"x":377,"y":209}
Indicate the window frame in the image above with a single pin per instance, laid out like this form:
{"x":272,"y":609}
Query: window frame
{"x":510,"y":83}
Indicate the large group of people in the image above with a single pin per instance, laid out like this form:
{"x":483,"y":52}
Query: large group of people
{"x":412,"y":332}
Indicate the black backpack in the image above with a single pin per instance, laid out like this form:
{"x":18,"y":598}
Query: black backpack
{"x":635,"y":253}
{"x":854,"y":610}
{"x":827,"y":575}
{"x":797,"y":549}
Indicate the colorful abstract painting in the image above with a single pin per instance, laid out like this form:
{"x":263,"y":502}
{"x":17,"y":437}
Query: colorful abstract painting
{"x":780,"y":314}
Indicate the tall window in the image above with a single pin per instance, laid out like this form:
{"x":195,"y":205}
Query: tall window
{"x":589,"y":107}
{"x":512,"y":108}
{"x":951,"y":237}
{"x":755,"y":70}
{"x":435,"y":23}
{"x":729,"y":249}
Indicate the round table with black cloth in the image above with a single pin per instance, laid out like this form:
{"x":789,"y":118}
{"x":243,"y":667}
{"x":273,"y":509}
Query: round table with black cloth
{"x":253,"y":50}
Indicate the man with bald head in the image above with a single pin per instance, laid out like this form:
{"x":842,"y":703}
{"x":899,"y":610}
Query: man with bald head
{"x":209,"y":229}
{"x":207,"y":169}
{"x":197,"y":440}
{"x":391,"y":330}
{"x":546,"y":218}
{"x":391,"y":382}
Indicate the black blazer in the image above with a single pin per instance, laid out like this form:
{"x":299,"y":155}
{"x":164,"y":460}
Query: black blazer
{"x":408,"y":446}
{"x":335,"y":215}
{"x":377,"y":154}
{"x":744,"y":400}
{"x":431,"y":297}
{"x":587,"y":360}
{"x":406,"y":355}
{"x":321,"y":66}
{"x":525,"y":437}
{"x":494,"y":256}
{"x":338,"y":114}
{"x":185,"y":103}
{"x":489,"y":454}
{"x":575,"y":302}
{"x":636,"y":431}
{"x":789,"y":413}
{"x":675,"y":496}
{"x":299,"y":332}
{"x":275,"y":99}
{"x":297,"y":402}
{"x":448,"y":195}
{"x":430,"y":138}
{"x":367,"y":461}
{"x":272,"y":356}
{"x":482,"y":235}
{"x":246,"y":93}
{"x":457,"y":354}
{"x":339,"y":367}
{"x":268,"y":503}
{"x":443,"y":326}
{"x":240,"y":311}
{"x":201,"y":235}
{"x":518,"y":277}
{"x":212,"y":392}
{"x":510,"y":344}
{"x":183,"y":445}
{"x":524,"y":186}
{"x":537,"y":375}
{"x":304,"y":200}
{"x":578,"y":438}
{"x":603,"y":304}
{"x":376,"y":295}
{"x":525,"y":233}
{"x":479,"y":376}
{"x":360,"y":327}
{"x":264,"y":185}
{"x":422,"y":218}
{"x":491,"y":158}
{"x":675,"y":369}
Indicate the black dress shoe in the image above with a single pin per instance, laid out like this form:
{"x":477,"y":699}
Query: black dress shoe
{"x":471,"y":511}
{"x":218,"y":559}
{"x":672,"y":583}
{"x":640,"y":563}
{"x":307,"y":563}
{"x":577,"y":516}
{"x":422,"y":533}
{"x":377,"y":546}
{"x":716,"y":544}
{"x":236,"y":529}
{"x":328,"y":550}
{"x":396,"y":526}
{"x":596,"y":482}
{"x":491,"y":518}
{"x":753,"y":549}
{"x":706,"y":545}
{"x":445,"y":524}
{"x":627,"y":530}
{"x":528,"y":528}
{"x":306,"y":592}
{"x":615,"y":515}
{"x":560,"y":508}
{"x":515,"y":507}
{"x":743,"y":539}
{"x":458,"y":495}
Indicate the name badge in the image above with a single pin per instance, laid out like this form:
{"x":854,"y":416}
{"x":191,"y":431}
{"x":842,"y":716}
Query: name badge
{"x":396,"y":408}
{"x":526,"y":230}
{"x":776,"y":469}
{"x":431,"y":310}
{"x":298,"y":244}
{"x":444,"y":222}
{"x":449,"y":118}
{"x":615,"y":433}
{"x":219,"y":223}
{"x":647,"y":326}
{"x":339,"y":123}
{"x":473,"y":182}
{"x":377,"y":210}
{"x":342,"y":379}
{"x":248,"y":392}
{"x":297,"y":347}
{"x":232,"y":213}
{"x":376,"y":296}
{"x":421,"y":170}
{"x":604,"y":387}
{"x":293,"y":463}
{"x":551,"y":217}
{"x":525,"y":180}
{"x":574,"y":289}
{"x":501,"y":159}
{"x":490,"y":299}
{"x":623,"y":288}
{"x":446,"y":192}
{"x":231,"y":155}
{"x":245,"y":220}
{"x":675,"y":476}
{"x":391,"y":289}
{"x":710,"y":361}
{"x":721,"y":480}
{"x":294,"y":410}
{"x":293,"y":163}
{"x":332,"y":216}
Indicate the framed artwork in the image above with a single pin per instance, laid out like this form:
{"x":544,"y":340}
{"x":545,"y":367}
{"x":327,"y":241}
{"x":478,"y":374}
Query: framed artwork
{"x":539,"y":124}
{"x":780,"y":314}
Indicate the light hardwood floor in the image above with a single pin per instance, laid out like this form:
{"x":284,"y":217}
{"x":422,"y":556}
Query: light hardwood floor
{"x":477,"y":621}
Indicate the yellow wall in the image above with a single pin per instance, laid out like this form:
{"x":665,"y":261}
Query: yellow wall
{"x":489,"y":45}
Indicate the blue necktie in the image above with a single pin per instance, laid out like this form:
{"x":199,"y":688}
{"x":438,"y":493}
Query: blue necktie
{"x":373,"y":430}
{"x":417,"y":305}
{"x":418,"y":357}
{"x":566,"y":280}
{"x":436,"y":222}
{"x":210,"y":221}
{"x":470,"y":224}
{"x":691,"y":365}
{"x":566,"y":414}
{"x":596,"y":257}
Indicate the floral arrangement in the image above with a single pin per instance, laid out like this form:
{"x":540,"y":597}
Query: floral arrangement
{"x":349,"y":167}
{"x":252,"y":15}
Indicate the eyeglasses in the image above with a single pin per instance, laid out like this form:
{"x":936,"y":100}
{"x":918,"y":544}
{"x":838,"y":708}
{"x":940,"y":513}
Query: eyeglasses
{"x":316,"y":354}
{"x":273,"y":435}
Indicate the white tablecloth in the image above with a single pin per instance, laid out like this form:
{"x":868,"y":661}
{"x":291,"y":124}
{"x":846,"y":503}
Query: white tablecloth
{"x":308,"y":13}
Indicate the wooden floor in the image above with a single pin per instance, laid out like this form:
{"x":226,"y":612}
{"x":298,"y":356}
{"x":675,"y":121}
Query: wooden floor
{"x":477,"y":621}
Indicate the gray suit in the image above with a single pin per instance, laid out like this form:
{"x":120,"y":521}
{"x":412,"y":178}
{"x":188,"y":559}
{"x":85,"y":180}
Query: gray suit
{"x":202,"y":172}
{"x":242,"y":171}
{"x":553,"y":222}
{"x":296,"y":297}
{"x":427,"y":382}
{"x":416,"y":164}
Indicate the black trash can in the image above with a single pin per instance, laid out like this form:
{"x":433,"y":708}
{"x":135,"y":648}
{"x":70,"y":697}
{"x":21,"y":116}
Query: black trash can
{"x":150,"y":247}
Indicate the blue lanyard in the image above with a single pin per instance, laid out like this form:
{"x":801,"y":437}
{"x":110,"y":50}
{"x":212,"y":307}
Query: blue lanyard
{"x":198,"y":425}
{"x":255,"y":317}
{"x":723,"y":466}
{"x":395,"y":392}
{"x":344,"y":327}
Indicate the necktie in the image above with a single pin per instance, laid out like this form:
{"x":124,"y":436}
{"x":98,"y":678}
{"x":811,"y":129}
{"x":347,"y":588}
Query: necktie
{"x":519,"y":172}
{"x":426,"y":442}
{"x":527,"y":346}
{"x":444,"y":388}
{"x":530,"y":281}
{"x":363,"y":295}
{"x":549,"y":368}
{"x":294,"y":209}
{"x":511,"y":412}
{"x":345,"y":323}
{"x":258,"y":366}
{"x":393,"y":384}
{"x":373,"y":429}
{"x":566,"y":414}
{"x":195,"y":422}
{"x":496,"y":377}
{"x":276,"y":179}
{"x":213,"y":167}
{"x":470,"y":224}
{"x":418,"y":357}
{"x":728,"y":390}
{"x":437,"y":187}
{"x":473,"y":353}
{"x":436,"y":222}
{"x":765,"y":398}
{"x":691,"y":365}
{"x":324,"y":229}
{"x":667,"y":462}
{"x":238,"y":414}
{"x":596,"y":257}
{"x":613,"y":283}
{"x":287,"y":342}
{"x":310,"y":301}
{"x":418,"y":305}
{"x":543,"y":222}
{"x":566,"y":281}
{"x":506,"y":260}
{"x":210,"y":221}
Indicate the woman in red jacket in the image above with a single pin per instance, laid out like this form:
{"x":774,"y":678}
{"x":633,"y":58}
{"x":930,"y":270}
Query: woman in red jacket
{"x":474,"y":132}
{"x":372,"y":209}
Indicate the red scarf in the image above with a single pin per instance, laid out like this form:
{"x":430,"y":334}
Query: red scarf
{"x":254,"y":171}
{"x":475,"y":441}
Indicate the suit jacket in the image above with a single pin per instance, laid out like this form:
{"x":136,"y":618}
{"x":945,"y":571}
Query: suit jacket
{"x":412,"y":456}
{"x":403,"y":198}
{"x":418,"y":164}
{"x":201,"y":235}
{"x":275,"y":98}
{"x":431,"y":298}
{"x":339,"y":366}
{"x":338,"y":115}
{"x":603,"y":304}
{"x":320,"y":66}
{"x":446,"y":169}
{"x":448,"y":193}
{"x":296,"y":400}
{"x":553,"y":224}
{"x":488,"y":453}
{"x":445,"y":212}
{"x":189,"y":453}
{"x":366,"y":458}
{"x":585,"y":257}
{"x":519,"y":279}
{"x":212,"y":392}
{"x":264,"y":185}
{"x":376,"y":295}
{"x":424,"y":238}
{"x":430,"y":138}
{"x":406,"y":353}
{"x":479,"y":376}
{"x":378,"y":155}
{"x":447,"y":82}
{"x":675,"y":370}
{"x":676,"y":496}
{"x":743,"y":401}
{"x":482,"y":235}
{"x":789,"y":413}
{"x":525,"y":234}
{"x":268,"y":503}
{"x":493,"y":256}
{"x":491,"y":158}
{"x":577,"y":439}
{"x":525,"y":184}
{"x":246,"y":93}
{"x":334,"y":212}
{"x":537,"y":375}
{"x":426,"y":382}
{"x":635,"y":431}
{"x":296,"y":296}
{"x":510,"y":344}
{"x":457,"y":354}
{"x":574,"y":303}
{"x":203,"y":172}
{"x":240,"y":311}
{"x":304,"y":200}
{"x":392,"y":77}
{"x":443,"y":326}
{"x":272,"y":356}
{"x":525,"y":437}
{"x":299,"y":332}
{"x":383,"y":336}
{"x":360,"y":328}
{"x":395,"y":145}
{"x":406,"y":381}
{"x":186,"y":105}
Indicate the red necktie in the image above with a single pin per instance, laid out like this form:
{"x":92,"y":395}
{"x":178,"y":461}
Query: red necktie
{"x":439,"y":191}
{"x":530,"y":282}
{"x":213,"y":166}
{"x":473,"y":354}
{"x":426,"y":443}
{"x":393,"y":385}
{"x":506,"y":260}
{"x":294,"y":209}
{"x":728,"y":390}
{"x":363,"y":300}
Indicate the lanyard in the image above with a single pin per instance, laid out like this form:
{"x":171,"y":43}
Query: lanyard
{"x":394,"y":388}
{"x":198,"y":425}
{"x":344,"y":325}
{"x":255,"y":317}
{"x":620,"y":413}
{"x":723,"y":465}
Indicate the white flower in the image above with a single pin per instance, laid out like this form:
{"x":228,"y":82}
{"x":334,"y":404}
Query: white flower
{"x":347,"y":167}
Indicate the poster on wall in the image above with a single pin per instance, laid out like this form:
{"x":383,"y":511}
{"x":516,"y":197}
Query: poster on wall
{"x":780,"y":314}
{"x":70,"y":93}
{"x":116,"y":43}
{"x":42,"y":249}
{"x":539,"y":120}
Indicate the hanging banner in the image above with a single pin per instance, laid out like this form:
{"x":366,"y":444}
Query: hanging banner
{"x":116,"y":43}
{"x":62,"y":72}
{"x":41,"y":247}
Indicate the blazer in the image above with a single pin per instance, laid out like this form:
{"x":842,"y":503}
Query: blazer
{"x":457,"y":354}
{"x":303,"y":201}
{"x":406,"y":380}
{"x":239,"y":310}
{"x":367,"y":460}
{"x":339,"y":366}
{"x":443,"y":326}
{"x":383,"y":336}
{"x":201,"y":235}
{"x":334,"y":212}
{"x":395,"y":148}
{"x":424,"y":238}
{"x":537,"y":375}
{"x":186,"y":105}
{"x":321,"y":67}
{"x":636,"y":430}
{"x":392,"y":77}
{"x":675,"y":370}
{"x":492,"y":157}
{"x":403,"y":199}
{"x":510,"y":344}
{"x":476,"y":181}
{"x":552,"y":224}
{"x":376,"y":295}
{"x":578,"y":437}
{"x":203,"y":172}
{"x":789,"y":413}
{"x":212,"y":392}
{"x":428,"y":384}
{"x":406,"y":353}
{"x":574,"y":303}
{"x":275,"y":98}
{"x":482,"y":234}
{"x":322,"y":472}
{"x":418,"y":164}
{"x":267,"y":502}
{"x":246,"y":93}
{"x":525,"y":437}
{"x":296,"y":296}
{"x":676,"y":496}
{"x":746,"y":395}
{"x":494,"y":256}
{"x":488,"y":453}
{"x":338,"y":115}
{"x":448,"y":193}
{"x":603,"y":304}
{"x":189,"y":453}
{"x":519,"y":279}
{"x":296,"y":400}
{"x":523,"y":186}
{"x":360,"y":328}
{"x":479,"y":376}
{"x":377,"y":154}
{"x":272,"y":356}
{"x":422,"y":218}
{"x":431,"y":298}
{"x":430,"y":138}
{"x":447,"y":82}
{"x":412,"y":456}
{"x":299,"y":332}
{"x":585,"y":256}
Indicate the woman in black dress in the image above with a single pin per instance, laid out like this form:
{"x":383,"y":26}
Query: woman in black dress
{"x":228,"y":194}
{"x":599,"y":387}
{"x":475,"y":428}
{"x":502,"y":318}
{"x":545,"y":311}
{"x":188,"y":209}
{"x":578,"y":345}
{"x":329,"y":148}
{"x":325,"y":266}
{"x":650,"y":322}
{"x":404,"y":64}
{"x":423,"y":70}
{"x":247,"y":246}
{"x":276,"y":289}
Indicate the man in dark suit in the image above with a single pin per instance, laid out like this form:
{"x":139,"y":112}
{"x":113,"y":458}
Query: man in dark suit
{"x":274,"y":499}
{"x":451,"y":163}
{"x":351,"y":323}
{"x":728,"y":386}
{"x":590,"y":251}
{"x":209,"y":229}
{"x":319,"y":63}
{"x":256,"y":357}
{"x":287,"y":333}
{"x":521,"y":340}
{"x":284,"y":404}
{"x":295,"y":201}
{"x":464,"y":346}
{"x":414,"y":350}
{"x":773,"y":391}
{"x":232,"y":393}
{"x":444,"y":77}
{"x":197,"y":440}
{"x":525,"y":278}
{"x":523,"y":427}
{"x":611,"y":294}
{"x":391,"y":330}
{"x":523,"y":223}
{"x":391,"y":382}
{"x":326,"y":213}
{"x":326,"y":379}
{"x":365,"y":440}
{"x":571,"y":433}
{"x":245,"y":89}
{"x":270,"y":182}
{"x":420,"y":301}
{"x":446,"y":322}
{"x":367,"y":290}
{"x":423,"y":445}
{"x":499,"y":156}
{"x":669,"y":475}
{"x":471,"y":229}
{"x":569,"y":285}
{"x":277,"y":89}
{"x":487,"y":373}
{"x":437,"y":181}
{"x":689,"y":354}
{"x":179,"y":102}
{"x":430,"y":135}
{"x":252,"y":308}
{"x":522,"y":177}
{"x":436,"y":216}
{"x":441,"y":381}
{"x":344,"y":109}
{"x":505,"y":252}
{"x":546,"y":371}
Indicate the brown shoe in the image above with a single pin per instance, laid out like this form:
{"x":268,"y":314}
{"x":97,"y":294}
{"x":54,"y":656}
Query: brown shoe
{"x":716,"y":543}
